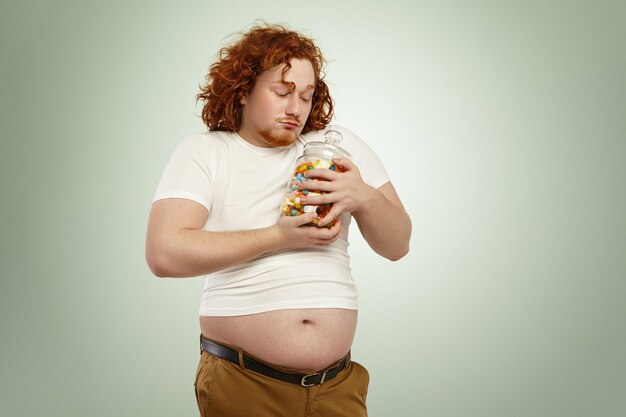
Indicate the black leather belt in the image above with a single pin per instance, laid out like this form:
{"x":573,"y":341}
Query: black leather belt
{"x":309,"y":380}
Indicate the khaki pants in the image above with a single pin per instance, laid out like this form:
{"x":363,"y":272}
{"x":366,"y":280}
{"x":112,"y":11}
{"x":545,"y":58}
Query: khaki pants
{"x":224,"y":389}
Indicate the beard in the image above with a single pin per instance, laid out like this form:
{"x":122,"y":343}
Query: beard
{"x":283,"y":137}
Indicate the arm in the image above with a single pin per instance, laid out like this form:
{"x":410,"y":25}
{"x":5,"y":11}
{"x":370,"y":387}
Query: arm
{"x":385,"y":224}
{"x":379,"y":213}
{"x":177,"y":247}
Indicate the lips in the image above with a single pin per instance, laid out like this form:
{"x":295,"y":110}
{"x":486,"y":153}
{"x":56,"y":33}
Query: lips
{"x":290,"y":123}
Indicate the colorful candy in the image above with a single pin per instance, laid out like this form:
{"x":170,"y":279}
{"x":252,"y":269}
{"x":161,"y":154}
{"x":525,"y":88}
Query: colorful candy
{"x":292,"y":206}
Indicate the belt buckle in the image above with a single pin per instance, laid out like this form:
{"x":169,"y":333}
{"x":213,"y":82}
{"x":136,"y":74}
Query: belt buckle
{"x":304,"y":383}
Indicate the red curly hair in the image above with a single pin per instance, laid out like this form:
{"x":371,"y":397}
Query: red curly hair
{"x":260,"y":49}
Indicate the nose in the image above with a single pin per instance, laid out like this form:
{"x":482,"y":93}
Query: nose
{"x":293,"y":106}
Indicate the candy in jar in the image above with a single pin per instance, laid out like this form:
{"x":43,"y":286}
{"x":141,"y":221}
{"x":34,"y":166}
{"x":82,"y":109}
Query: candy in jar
{"x":316,"y":155}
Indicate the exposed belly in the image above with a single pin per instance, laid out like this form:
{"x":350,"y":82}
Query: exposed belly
{"x":307,"y":339}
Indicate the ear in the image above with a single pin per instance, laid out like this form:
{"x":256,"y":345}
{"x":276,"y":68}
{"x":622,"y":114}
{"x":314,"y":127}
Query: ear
{"x":243,"y":100}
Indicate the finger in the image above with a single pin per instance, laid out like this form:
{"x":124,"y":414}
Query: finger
{"x":329,"y":235}
{"x":317,"y":186}
{"x":329,"y":217}
{"x":336,"y":230}
{"x":344,"y":163}
{"x":326,"y":174}
{"x":303,"y":219}
{"x":317,"y":199}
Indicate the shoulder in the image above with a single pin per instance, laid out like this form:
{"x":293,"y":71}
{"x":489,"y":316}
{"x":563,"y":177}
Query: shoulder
{"x":206,"y":139}
{"x":200,"y":146}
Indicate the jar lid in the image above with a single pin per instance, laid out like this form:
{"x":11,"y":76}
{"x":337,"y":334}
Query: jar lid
{"x":329,"y":147}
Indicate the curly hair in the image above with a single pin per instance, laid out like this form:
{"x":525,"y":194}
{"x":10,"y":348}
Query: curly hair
{"x":261,"y":48}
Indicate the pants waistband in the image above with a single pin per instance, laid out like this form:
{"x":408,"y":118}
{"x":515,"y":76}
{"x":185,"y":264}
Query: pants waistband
{"x":232,"y":355}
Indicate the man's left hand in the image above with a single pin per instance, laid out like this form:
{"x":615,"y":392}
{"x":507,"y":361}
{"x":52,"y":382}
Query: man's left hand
{"x":345,"y":190}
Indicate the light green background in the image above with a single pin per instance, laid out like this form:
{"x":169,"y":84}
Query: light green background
{"x":501,"y":123}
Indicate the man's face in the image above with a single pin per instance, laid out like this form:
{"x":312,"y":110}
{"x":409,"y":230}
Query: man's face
{"x":276,"y":109}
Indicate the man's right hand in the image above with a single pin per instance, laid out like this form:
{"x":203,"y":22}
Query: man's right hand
{"x":295,"y":232}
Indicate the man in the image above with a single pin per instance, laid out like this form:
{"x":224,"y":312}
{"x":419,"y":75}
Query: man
{"x":278,"y":311}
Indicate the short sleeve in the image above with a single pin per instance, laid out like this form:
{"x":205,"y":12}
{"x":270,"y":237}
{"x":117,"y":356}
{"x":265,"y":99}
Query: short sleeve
{"x":370,"y":166}
{"x":188,"y":173}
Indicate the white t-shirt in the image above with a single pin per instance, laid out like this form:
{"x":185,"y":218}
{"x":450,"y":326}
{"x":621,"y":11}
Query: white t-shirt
{"x":242,"y":186}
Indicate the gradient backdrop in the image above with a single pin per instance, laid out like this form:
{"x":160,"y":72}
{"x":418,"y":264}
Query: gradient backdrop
{"x":501,"y":123}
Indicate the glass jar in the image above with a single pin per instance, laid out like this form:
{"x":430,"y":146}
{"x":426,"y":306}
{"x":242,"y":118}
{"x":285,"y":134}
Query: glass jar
{"x":316,"y":155}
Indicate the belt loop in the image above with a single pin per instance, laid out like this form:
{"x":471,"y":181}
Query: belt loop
{"x":200,"y":343}
{"x":241,"y":362}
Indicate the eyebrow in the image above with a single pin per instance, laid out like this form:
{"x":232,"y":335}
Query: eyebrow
{"x":292,"y":85}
